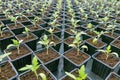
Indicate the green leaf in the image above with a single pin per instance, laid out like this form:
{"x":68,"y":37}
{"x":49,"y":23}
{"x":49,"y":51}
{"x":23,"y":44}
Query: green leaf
{"x":116,"y":54}
{"x":15,"y":42}
{"x":52,"y":43}
{"x":26,"y":30}
{"x":27,"y":67}
{"x":4,"y":29}
{"x":11,"y":45}
{"x":43,"y":76}
{"x":4,"y":55}
{"x":82,"y":73}
{"x":72,"y":45}
{"x":84,"y":47}
{"x":71,"y":75}
{"x":89,"y":26}
{"x":104,"y":51}
{"x":51,"y":30}
{"x":35,"y":61}
{"x":95,"y":40}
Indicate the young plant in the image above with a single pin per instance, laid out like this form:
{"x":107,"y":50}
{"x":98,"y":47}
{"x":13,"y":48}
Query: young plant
{"x":54,"y":23}
{"x":112,"y":28}
{"x":82,"y":74}
{"x":20,"y":15}
{"x":95,"y":40}
{"x":46,"y":42}
{"x":104,"y":20}
{"x":26,"y":32}
{"x":2,"y":30}
{"x":14,"y":19}
{"x":90,"y":26}
{"x":108,"y":52}
{"x":51,"y":32}
{"x":35,"y":21}
{"x":74,"y":23}
{"x":35,"y":65}
{"x":16,"y":44}
{"x":77,"y":41}
{"x":6,"y":12}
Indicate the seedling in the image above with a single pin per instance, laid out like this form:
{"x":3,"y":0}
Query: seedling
{"x":55,"y":15}
{"x":108,"y":52}
{"x":74,"y":23}
{"x":54,"y":23}
{"x":82,"y":74}
{"x":90,"y":26}
{"x":6,"y":12}
{"x":20,"y":15}
{"x":35,"y":21}
{"x":46,"y":42}
{"x":35,"y":65}
{"x":2,"y":30}
{"x":26,"y":32}
{"x":16,"y":44}
{"x":51,"y":32}
{"x":104,"y":20}
{"x":77,"y":41}
{"x":14,"y":19}
{"x":95,"y":40}
{"x":112,"y":28}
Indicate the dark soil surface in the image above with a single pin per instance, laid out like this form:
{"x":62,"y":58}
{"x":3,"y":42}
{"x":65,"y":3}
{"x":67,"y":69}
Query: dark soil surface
{"x":98,"y":45}
{"x":23,"y":50}
{"x":91,"y":33}
{"x":6,"y":34}
{"x":33,"y":27}
{"x":69,"y":40}
{"x":6,"y":71}
{"x":31,"y":75}
{"x":55,"y":39}
{"x":22,"y":20}
{"x":24,"y":38}
{"x":47,"y":57}
{"x":78,"y":59}
{"x":117,"y":43}
{"x":111,"y":61}
{"x":113,"y":36}
{"x":13,"y":26}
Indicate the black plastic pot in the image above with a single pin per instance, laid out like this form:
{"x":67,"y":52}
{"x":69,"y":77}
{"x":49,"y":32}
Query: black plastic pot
{"x":13,"y":77}
{"x":26,"y":23}
{"x":91,"y":48}
{"x":6,"y":41}
{"x":43,"y":49}
{"x":106,"y":39}
{"x":17,"y":30}
{"x":100,"y":68}
{"x":22,"y":60}
{"x":7,"y":21}
{"x":53,"y":67}
{"x":31,"y":43}
{"x":115,"y":75}
{"x":58,"y":46}
{"x":60,"y":35}
{"x":78,"y":65}
{"x":119,"y":71}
